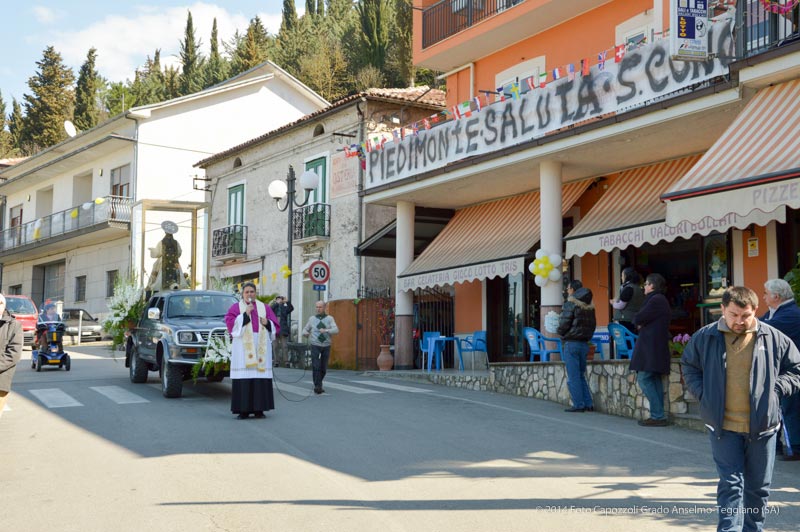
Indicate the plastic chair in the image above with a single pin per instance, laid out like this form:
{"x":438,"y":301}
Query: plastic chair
{"x":536,"y":342}
{"x":476,"y":342}
{"x":425,"y":345}
{"x":624,"y":340}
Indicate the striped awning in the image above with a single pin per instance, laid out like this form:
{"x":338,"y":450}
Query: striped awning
{"x":484,"y":241}
{"x":753,"y":171}
{"x":630,"y":212}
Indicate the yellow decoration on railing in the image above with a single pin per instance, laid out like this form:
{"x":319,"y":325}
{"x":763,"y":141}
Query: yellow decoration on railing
{"x":98,"y":201}
{"x":73,"y":213}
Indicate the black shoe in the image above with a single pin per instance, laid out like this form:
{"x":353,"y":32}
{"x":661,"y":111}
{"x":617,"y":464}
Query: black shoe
{"x":786,"y":458}
{"x":653,"y":422}
{"x":242,"y":416}
{"x":318,"y":390}
{"x":590,"y":409}
{"x":259,"y":415}
{"x":573,"y":409}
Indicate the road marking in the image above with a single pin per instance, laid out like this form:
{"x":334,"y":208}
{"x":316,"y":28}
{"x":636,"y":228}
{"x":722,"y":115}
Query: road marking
{"x":6,"y":408}
{"x":394,"y":386}
{"x":119,"y":395}
{"x":54,"y":398}
{"x":346,"y":388}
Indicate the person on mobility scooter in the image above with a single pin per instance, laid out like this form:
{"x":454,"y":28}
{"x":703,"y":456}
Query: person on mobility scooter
{"x":49,"y":341}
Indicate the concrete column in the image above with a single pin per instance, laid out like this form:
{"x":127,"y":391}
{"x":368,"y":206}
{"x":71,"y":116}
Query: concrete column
{"x":404,"y":301}
{"x":551,"y":239}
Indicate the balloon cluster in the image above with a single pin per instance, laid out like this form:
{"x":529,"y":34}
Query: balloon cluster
{"x":286,"y":271}
{"x":546,"y":267}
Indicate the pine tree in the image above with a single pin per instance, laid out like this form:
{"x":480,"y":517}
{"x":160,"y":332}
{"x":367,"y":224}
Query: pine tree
{"x":87,"y":111}
{"x":374,"y":19}
{"x":119,"y":98}
{"x":311,"y":7}
{"x":15,"y":124}
{"x":296,"y":44}
{"x":172,"y":83}
{"x":51,"y":103}
{"x":253,"y":49}
{"x":217,"y":67}
{"x":289,"y":20}
{"x":148,"y":83}
{"x":7,"y":148}
{"x":192,"y":74}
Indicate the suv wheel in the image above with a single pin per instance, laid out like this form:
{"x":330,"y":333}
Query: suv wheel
{"x":171,"y":379}
{"x":138,"y":368}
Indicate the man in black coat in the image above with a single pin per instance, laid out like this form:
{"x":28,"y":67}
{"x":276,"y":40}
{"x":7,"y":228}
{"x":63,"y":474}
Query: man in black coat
{"x":283,"y":310}
{"x":651,"y":356}
{"x":10,"y":350}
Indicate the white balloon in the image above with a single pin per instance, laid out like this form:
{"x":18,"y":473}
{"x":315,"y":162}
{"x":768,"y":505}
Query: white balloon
{"x":554,"y":275}
{"x":531,"y":267}
{"x":555,"y":259}
{"x":539,"y":280}
{"x":541,"y":253}
{"x":37,"y":224}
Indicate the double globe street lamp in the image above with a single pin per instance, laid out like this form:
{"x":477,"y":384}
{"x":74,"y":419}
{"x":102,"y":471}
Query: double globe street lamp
{"x":285,"y":190}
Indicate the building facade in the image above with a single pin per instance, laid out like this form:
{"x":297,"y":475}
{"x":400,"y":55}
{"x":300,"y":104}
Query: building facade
{"x":93,"y":207}
{"x":577,"y":129}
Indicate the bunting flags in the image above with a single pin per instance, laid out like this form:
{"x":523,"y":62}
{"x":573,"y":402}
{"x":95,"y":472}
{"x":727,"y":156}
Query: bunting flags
{"x":556,"y":73}
{"x":426,"y":123}
{"x":585,"y":67}
{"x":478,"y":106}
{"x":571,"y":72}
{"x":601,"y":58}
{"x":542,"y":80}
{"x":619,"y":53}
{"x":531,"y":82}
{"x":515,"y":90}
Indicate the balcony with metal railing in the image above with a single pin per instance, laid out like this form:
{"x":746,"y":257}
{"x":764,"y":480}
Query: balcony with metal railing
{"x":228,"y":243}
{"x":449,"y":17}
{"x":311,"y":223}
{"x":102,"y":213}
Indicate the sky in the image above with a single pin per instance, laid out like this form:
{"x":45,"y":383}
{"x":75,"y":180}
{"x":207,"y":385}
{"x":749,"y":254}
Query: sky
{"x":124,"y":33}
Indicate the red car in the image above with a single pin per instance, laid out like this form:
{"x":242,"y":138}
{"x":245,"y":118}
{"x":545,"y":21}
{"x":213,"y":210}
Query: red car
{"x":24,"y":310}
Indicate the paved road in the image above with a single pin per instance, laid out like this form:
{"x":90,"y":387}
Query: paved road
{"x":89,"y":451}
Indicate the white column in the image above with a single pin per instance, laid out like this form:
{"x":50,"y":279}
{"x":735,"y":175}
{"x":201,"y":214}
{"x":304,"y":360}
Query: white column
{"x":550,"y":189}
{"x":404,"y":301}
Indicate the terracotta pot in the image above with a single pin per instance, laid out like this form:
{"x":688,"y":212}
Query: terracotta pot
{"x":385,"y":359}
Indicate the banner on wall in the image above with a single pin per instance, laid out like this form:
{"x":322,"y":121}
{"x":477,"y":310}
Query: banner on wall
{"x":642,"y":75}
{"x":688,"y":40}
{"x":344,"y":175}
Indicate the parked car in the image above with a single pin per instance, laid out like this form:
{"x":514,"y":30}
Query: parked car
{"x":172,"y":334}
{"x":90,"y":326}
{"x":24,"y":310}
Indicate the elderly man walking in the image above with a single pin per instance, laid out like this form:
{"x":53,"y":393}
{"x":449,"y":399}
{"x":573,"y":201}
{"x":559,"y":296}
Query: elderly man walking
{"x":738,"y":368}
{"x":784,"y":315}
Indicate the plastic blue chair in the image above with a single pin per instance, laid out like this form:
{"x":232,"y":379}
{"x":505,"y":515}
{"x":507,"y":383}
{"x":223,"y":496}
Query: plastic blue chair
{"x":537,"y":343}
{"x":476,"y":342}
{"x":624,"y":340}
{"x":425,"y":345}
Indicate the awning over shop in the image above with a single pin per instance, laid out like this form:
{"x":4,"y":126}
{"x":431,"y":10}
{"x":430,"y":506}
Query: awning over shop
{"x":752,"y":173}
{"x":630,"y":212}
{"x":484,"y":241}
{"x":427,"y":224}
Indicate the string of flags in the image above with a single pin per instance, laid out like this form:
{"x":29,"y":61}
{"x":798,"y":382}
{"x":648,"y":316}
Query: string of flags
{"x":512,"y":90}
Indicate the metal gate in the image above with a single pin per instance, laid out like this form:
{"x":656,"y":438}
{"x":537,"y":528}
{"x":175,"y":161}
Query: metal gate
{"x":367,"y":333}
{"x":433,"y":311}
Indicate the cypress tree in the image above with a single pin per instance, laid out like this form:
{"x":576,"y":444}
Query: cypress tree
{"x":7,"y":148}
{"x":289,"y":19}
{"x":311,"y":7}
{"x":320,"y":8}
{"x":192,"y":74}
{"x":253,"y":49}
{"x":217,"y":67}
{"x":87,"y":111}
{"x":51,"y":103}
{"x":372,"y":15}
{"x":403,"y":26}
{"x":15,"y":124}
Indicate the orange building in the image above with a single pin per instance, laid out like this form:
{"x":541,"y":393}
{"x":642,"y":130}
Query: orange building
{"x":646,"y":133}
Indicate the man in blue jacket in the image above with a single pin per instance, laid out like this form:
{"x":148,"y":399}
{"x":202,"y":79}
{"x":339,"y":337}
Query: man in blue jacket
{"x":784,"y":315}
{"x":738,"y":368}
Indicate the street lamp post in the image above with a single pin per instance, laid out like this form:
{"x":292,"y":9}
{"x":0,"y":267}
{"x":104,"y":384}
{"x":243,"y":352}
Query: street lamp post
{"x":285,"y":190}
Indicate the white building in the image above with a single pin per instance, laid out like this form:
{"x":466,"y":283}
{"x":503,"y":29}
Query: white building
{"x":82,"y":212}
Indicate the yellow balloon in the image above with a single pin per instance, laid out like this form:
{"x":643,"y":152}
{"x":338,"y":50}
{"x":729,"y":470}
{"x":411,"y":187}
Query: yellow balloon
{"x":98,"y":201}
{"x":74,"y":213}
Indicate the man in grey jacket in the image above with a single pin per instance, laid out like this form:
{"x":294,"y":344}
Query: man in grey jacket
{"x":739,"y":368}
{"x":319,"y":329}
{"x":10,"y":350}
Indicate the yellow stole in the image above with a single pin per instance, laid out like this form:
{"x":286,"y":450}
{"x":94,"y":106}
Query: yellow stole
{"x":254,"y":356}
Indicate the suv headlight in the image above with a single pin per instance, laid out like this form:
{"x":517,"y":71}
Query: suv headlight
{"x":186,"y":337}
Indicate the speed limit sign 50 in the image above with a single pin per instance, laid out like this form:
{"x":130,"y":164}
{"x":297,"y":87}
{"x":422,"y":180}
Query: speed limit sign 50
{"x":319,"y":272}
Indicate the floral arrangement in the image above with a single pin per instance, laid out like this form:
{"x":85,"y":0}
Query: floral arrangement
{"x":385,"y":319}
{"x":679,"y":343}
{"x":217,"y":357}
{"x":126,"y":306}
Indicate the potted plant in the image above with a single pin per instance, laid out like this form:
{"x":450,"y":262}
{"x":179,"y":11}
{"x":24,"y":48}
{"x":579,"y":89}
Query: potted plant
{"x":678,"y":343}
{"x":385,"y":329}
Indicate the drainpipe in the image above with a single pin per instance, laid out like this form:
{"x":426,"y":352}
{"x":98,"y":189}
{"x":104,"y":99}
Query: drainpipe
{"x":139,"y":269}
{"x":471,"y":67}
{"x":361,"y":125}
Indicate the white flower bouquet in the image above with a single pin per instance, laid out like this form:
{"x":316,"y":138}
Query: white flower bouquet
{"x":217,"y":357}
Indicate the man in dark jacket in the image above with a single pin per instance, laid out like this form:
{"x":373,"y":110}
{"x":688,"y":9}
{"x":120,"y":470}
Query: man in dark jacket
{"x":576,"y":327}
{"x":10,"y":350}
{"x":738,"y":368}
{"x":651,"y":356}
{"x":283,"y":310}
{"x":784,"y":315}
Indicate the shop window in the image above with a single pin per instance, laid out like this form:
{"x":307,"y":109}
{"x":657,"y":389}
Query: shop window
{"x":111,"y":280}
{"x":80,"y":288}
{"x":788,"y":234}
{"x":716,"y":264}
